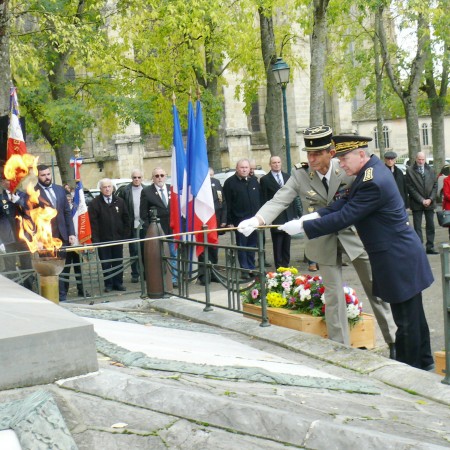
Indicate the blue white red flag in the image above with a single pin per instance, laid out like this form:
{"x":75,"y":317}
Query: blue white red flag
{"x":200,"y":184}
{"x":187,"y":199}
{"x":178,"y":173}
{"x":16,"y":144}
{"x":80,"y":216}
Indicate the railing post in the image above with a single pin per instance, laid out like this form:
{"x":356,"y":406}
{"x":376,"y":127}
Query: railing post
{"x":446,"y":300}
{"x":261,"y":270}
{"x":207,"y":273}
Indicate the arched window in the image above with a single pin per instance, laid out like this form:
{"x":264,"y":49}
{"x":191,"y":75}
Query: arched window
{"x":386,"y":137}
{"x":425,"y":135}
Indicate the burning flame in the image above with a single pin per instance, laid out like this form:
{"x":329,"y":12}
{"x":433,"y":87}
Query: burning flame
{"x":19,"y":166}
{"x":35,"y":227}
{"x":36,"y":230}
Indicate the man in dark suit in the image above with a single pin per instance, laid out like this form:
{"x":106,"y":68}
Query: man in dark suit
{"x":157,"y":195}
{"x":132,"y":197}
{"x":389,"y":161}
{"x":270,"y":184}
{"x":377,"y":210}
{"x":53,"y":195}
{"x":110,"y":222}
{"x":422,"y":187}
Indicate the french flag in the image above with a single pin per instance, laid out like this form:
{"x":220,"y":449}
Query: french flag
{"x":80,"y":216}
{"x":178,"y":173}
{"x":200,"y":184}
{"x":16,"y":146}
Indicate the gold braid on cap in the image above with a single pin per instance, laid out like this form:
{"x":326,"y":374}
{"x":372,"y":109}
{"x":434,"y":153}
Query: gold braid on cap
{"x":352,"y":145}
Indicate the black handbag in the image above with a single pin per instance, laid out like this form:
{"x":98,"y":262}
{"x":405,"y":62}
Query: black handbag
{"x":443,"y":218}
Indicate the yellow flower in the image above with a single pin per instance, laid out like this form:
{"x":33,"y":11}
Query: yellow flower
{"x":275,"y":300}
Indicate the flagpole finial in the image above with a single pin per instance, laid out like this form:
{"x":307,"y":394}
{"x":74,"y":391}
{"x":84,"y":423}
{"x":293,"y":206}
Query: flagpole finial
{"x":174,"y":98}
{"x":77,"y":152}
{"x":198,"y":92}
{"x":190,"y":93}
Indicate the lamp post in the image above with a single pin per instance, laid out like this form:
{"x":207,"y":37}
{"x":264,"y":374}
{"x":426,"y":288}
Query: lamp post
{"x":281,"y":71}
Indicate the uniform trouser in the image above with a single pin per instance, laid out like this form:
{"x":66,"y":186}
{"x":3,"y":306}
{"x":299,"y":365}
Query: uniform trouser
{"x":281,"y":243}
{"x":381,"y":310}
{"x":429,"y":226}
{"x":110,"y":267}
{"x":246,"y":258}
{"x":412,"y":344}
{"x":336,"y":308}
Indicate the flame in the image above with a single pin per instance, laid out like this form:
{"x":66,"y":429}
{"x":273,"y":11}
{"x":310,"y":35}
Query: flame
{"x":36,"y":229}
{"x":18,"y":167}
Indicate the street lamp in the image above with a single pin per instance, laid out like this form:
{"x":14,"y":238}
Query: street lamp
{"x":281,"y":72}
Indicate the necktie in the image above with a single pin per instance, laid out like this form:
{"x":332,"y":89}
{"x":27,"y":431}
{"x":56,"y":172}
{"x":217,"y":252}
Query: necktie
{"x":325,"y":183}
{"x":280,"y":181}
{"x":163,"y":197}
{"x":51,"y":196}
{"x":421,"y":170}
{"x":109,"y":200}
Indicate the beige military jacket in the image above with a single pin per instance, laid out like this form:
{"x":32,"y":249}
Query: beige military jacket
{"x":308,"y":186}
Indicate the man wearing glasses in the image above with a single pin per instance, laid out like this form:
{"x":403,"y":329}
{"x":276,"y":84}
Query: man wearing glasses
{"x":131,"y":194}
{"x":157,"y":195}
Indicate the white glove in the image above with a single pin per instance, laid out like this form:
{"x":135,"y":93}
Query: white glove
{"x":2,"y":248}
{"x":292,"y":227}
{"x":310,"y":216}
{"x":15,"y":198}
{"x":248,"y":226}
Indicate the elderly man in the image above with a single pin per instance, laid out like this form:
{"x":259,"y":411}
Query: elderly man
{"x":242,"y":195}
{"x":157,"y":196}
{"x":319,"y":186}
{"x":110,"y":222}
{"x":376,"y":208}
{"x":422,"y":188}
{"x":131,"y":194}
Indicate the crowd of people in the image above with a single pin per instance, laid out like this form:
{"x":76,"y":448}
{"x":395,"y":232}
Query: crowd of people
{"x":346,"y":201}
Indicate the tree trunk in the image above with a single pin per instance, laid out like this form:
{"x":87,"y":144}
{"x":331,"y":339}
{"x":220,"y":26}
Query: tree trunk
{"x":5,"y":69}
{"x":437,"y":111}
{"x":273,"y":111}
{"x":379,"y":88}
{"x":407,"y":93}
{"x":63,"y":154}
{"x":318,"y":61}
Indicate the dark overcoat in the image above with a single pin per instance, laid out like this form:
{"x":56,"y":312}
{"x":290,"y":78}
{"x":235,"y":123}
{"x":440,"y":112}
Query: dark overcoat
{"x":151,"y":198}
{"x":400,"y":267}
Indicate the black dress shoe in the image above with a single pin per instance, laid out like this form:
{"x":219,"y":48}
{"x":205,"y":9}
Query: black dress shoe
{"x":120,"y":288}
{"x":267,"y":264}
{"x":174,"y":284}
{"x":432,"y":252}
{"x":135,"y":279}
{"x":108,"y":289}
{"x":429,"y":368}
{"x":245,"y":276}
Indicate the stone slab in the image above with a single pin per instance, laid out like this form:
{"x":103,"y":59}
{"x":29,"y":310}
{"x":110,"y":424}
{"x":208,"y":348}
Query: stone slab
{"x":41,"y":342}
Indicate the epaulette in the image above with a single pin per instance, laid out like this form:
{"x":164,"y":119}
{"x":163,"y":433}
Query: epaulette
{"x":298,"y":165}
{"x":368,"y":174}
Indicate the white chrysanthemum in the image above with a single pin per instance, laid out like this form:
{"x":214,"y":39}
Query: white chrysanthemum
{"x":322,"y":298}
{"x":352,"y":311}
{"x":305,"y":294}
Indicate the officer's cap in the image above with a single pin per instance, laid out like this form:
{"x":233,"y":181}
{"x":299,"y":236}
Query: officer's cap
{"x":317,"y":138}
{"x":390,"y":155}
{"x":346,"y":143}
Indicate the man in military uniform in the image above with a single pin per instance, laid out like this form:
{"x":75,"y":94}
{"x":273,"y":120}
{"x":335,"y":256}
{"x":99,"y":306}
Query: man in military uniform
{"x":376,"y":208}
{"x":321,"y":186}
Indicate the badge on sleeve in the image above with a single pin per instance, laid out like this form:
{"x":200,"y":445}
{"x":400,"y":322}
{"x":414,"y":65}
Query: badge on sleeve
{"x":368,"y":174}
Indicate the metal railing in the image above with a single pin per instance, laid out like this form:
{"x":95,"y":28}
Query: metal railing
{"x":445,"y":260}
{"x":186,"y":267}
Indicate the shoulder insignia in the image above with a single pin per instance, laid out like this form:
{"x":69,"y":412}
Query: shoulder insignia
{"x":337,"y":171}
{"x":311,"y":193}
{"x":298,"y":166}
{"x":311,"y":175}
{"x":368,"y":174}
